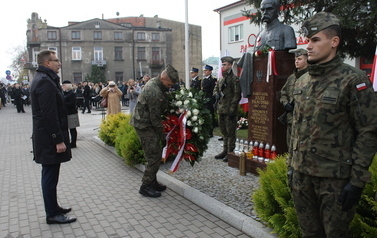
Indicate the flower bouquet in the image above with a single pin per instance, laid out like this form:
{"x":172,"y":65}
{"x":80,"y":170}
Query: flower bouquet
{"x":242,"y":123}
{"x":187,"y":127}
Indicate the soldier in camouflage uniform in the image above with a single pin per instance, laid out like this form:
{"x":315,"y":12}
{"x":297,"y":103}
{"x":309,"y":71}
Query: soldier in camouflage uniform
{"x":228,"y":94}
{"x":286,"y":98}
{"x":333,"y":134}
{"x":147,"y":121}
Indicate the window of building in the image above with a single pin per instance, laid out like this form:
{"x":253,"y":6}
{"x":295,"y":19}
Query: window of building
{"x":140,"y":36}
{"x":118,"y":53}
{"x":118,"y":35}
{"x":118,"y":76}
{"x":98,"y":53}
{"x":141,"y":53}
{"x":236,"y":33}
{"x":155,"y":36}
{"x":156,"y":54}
{"x":76,"y":35}
{"x":51,"y":35}
{"x":77,"y":77}
{"x":76,"y":53}
{"x":97,"y":35}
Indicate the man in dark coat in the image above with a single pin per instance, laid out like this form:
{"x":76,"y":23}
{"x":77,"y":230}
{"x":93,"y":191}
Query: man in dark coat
{"x":50,"y":132}
{"x":208,"y":85}
{"x":86,"y":95}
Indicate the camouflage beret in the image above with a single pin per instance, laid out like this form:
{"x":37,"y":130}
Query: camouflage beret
{"x":319,"y":22}
{"x":299,"y":52}
{"x":227,"y":59}
{"x":172,"y":73}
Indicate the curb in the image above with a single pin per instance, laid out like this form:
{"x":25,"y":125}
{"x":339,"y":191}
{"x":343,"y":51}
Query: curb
{"x":229,"y":215}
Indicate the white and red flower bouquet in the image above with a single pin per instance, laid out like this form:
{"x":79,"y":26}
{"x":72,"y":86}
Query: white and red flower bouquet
{"x":187,"y":127}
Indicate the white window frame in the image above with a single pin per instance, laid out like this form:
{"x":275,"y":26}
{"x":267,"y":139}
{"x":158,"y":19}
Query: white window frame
{"x":235,"y":33}
{"x":76,"y":53}
{"x":98,"y":53}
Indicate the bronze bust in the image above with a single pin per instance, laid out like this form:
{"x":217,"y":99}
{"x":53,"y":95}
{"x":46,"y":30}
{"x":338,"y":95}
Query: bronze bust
{"x":275,"y":34}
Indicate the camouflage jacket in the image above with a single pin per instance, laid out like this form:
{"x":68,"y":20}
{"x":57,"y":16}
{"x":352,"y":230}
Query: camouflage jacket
{"x":228,"y":90}
{"x":151,"y":104}
{"x":334,"y":123}
{"x":287,"y":90}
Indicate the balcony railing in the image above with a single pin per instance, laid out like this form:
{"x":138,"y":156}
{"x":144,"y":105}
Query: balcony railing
{"x":156,"y":63}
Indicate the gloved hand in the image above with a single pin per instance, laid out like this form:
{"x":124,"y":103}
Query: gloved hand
{"x":289,"y":107}
{"x":232,"y":116}
{"x":349,"y":196}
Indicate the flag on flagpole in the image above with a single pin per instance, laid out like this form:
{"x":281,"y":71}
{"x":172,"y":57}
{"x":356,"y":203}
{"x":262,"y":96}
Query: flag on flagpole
{"x":373,"y":76}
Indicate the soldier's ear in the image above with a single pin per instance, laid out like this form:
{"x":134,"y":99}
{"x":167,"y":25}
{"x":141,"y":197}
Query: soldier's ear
{"x":335,"y":41}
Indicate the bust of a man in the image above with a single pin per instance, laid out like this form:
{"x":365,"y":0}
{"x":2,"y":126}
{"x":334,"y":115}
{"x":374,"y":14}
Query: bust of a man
{"x":275,"y":34}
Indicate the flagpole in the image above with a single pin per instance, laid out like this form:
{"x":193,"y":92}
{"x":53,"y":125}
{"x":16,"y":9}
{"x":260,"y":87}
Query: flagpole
{"x":187,"y":48}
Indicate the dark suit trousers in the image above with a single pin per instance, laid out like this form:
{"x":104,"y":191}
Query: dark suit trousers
{"x":50,"y":178}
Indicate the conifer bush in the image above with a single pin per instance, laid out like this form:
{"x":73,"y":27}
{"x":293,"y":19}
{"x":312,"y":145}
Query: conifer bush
{"x":109,"y":128}
{"x":116,"y":131}
{"x":274,"y":205}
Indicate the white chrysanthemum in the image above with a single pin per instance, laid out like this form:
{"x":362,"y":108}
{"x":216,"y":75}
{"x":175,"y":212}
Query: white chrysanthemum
{"x":195,"y":130}
{"x":188,"y":114}
{"x":195,"y":112}
{"x":178,"y":103}
{"x":186,"y":102}
{"x":194,"y":100}
{"x":189,"y":123}
{"x":201,"y":122}
{"x":194,"y":118}
{"x":190,"y":94}
{"x":171,"y":111}
{"x":182,"y":91}
{"x":181,"y":110}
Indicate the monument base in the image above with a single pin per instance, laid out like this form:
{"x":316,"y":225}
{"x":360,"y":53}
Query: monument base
{"x":251,"y":165}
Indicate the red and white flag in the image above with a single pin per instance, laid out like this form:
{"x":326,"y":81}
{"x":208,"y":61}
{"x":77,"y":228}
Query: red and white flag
{"x":373,"y":76}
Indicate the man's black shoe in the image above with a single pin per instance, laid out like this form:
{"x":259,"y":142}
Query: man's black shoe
{"x":149,"y":191}
{"x":159,"y":187}
{"x":221,"y":138}
{"x":64,"y":210}
{"x":60,"y":219}
{"x":221,"y":155}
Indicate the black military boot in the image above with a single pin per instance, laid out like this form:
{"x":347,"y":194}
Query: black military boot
{"x":149,"y":191}
{"x":158,"y":187}
{"x":221,"y":155}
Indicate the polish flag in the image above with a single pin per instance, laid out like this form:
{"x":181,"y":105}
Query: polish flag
{"x":373,"y":77}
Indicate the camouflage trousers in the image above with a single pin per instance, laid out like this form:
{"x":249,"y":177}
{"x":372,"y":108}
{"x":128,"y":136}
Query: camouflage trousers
{"x":318,"y":211}
{"x":228,"y":128}
{"x":150,"y":141}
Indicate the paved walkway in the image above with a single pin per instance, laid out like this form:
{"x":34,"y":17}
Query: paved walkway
{"x":100,"y":188}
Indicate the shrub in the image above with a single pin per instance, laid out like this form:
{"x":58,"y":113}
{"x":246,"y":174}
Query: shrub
{"x":274,"y":205}
{"x":116,"y":131}
{"x":109,"y":127}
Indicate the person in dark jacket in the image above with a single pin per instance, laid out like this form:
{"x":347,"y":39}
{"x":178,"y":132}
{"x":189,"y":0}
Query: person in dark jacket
{"x":50,"y":132}
{"x":73,"y":118}
{"x":17,"y":96}
{"x":86,"y":94}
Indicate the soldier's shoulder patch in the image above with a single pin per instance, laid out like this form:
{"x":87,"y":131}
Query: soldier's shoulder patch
{"x":361,"y":86}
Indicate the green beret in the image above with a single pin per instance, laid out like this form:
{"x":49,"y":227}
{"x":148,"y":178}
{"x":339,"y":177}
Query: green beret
{"x":172,"y":73}
{"x":299,"y":52}
{"x":227,"y":59}
{"x":319,"y":22}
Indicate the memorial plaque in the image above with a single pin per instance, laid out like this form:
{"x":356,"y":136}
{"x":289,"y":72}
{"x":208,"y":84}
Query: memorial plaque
{"x":264,"y":102}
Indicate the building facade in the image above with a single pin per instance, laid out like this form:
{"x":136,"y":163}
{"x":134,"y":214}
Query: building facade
{"x":122,"y":48}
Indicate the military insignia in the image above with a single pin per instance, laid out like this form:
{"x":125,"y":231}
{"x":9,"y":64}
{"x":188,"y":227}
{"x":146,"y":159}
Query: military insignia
{"x":361,"y":87}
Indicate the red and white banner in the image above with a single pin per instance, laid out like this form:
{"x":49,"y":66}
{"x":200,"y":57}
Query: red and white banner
{"x":373,"y":76}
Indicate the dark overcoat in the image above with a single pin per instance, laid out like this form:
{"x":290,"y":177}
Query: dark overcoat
{"x":50,"y":123}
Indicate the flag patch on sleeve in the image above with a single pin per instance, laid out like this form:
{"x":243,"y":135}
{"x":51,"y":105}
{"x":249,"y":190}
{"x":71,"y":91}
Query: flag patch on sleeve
{"x":361,"y":86}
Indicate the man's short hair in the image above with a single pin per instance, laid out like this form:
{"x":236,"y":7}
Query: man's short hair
{"x":44,"y":55}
